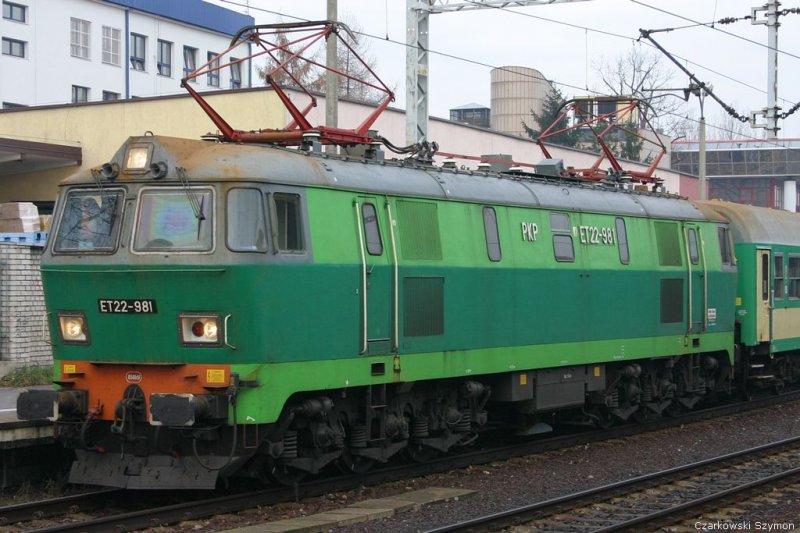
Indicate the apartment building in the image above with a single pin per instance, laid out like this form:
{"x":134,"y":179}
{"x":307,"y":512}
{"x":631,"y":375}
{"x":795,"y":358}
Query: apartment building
{"x":76,"y":51}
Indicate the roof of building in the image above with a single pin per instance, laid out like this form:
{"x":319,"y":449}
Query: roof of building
{"x":468,"y":106}
{"x":193,"y":12}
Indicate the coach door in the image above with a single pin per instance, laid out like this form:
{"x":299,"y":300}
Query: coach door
{"x":764,"y":290}
{"x":696,"y":279}
{"x":376,"y":275}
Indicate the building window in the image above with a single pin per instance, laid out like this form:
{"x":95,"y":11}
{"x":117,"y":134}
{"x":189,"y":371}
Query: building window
{"x":604,"y":108}
{"x":164,"y":58}
{"x":15,"y":12}
{"x":109,"y":96}
{"x":213,"y":75}
{"x":13,"y":47}
{"x":80,"y":94}
{"x":189,"y":60}
{"x":111,"y":46}
{"x":236,"y":74}
{"x":79,"y":38}
{"x":138,"y":49}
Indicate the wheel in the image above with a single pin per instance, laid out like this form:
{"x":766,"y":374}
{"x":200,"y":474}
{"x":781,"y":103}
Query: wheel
{"x":282,"y":474}
{"x":356,"y":464}
{"x":420,"y":453}
{"x":673,"y":409}
{"x":777,"y":388}
{"x":602,"y":417}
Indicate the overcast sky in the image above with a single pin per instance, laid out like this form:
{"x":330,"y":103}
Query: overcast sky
{"x":567,"y":42}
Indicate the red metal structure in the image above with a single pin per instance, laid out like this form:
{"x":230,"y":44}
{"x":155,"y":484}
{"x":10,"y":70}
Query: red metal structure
{"x":287,"y":45}
{"x":612,"y":122}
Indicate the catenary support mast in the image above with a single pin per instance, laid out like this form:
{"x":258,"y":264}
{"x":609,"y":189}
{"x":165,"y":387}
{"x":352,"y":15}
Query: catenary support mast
{"x":417,"y":24}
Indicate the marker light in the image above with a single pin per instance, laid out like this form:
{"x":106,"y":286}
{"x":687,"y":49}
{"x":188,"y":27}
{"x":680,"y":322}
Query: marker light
{"x":73,"y":328}
{"x":138,"y":158}
{"x":199,"y":329}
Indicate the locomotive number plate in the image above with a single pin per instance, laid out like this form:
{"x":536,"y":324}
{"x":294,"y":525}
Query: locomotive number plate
{"x":127,"y":306}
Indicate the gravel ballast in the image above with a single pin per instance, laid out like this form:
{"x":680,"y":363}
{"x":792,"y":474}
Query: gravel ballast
{"x":525,"y":480}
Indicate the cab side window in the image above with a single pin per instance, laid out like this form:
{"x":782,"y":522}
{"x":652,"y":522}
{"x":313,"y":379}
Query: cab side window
{"x":563,"y":248}
{"x":287,"y":227}
{"x":492,"y":236}
{"x":725,"y":251}
{"x":247,"y":230}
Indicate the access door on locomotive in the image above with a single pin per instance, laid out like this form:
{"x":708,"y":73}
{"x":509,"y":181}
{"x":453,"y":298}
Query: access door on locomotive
{"x":378,"y":282}
{"x":697,"y":279}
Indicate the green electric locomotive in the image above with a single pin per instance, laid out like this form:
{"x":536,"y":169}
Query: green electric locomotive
{"x":221,"y":309}
{"x":241,"y":307}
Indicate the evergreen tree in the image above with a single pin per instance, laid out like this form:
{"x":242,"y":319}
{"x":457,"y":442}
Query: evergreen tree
{"x":551,"y":109}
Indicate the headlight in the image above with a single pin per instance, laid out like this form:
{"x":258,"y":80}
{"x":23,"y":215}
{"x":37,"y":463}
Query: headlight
{"x":73,"y":328}
{"x":199,"y":329}
{"x":138,"y":157}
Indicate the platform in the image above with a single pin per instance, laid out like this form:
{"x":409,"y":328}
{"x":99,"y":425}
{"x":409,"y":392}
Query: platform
{"x":35,"y":238}
{"x":365,"y":511}
{"x":28,"y":449}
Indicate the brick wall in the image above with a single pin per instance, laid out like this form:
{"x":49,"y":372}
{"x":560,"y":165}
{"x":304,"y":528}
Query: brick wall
{"x":22,"y":341}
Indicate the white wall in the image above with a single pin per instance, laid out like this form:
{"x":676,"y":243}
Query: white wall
{"x":47,"y":74}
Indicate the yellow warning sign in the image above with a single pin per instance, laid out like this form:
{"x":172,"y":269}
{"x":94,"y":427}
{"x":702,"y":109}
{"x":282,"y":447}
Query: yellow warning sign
{"x":215,"y":375}
{"x":69,"y":369}
{"x":597,"y":371}
{"x":523,"y":379}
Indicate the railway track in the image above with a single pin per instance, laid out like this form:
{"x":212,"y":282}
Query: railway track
{"x":654,"y":500}
{"x":70,"y":513}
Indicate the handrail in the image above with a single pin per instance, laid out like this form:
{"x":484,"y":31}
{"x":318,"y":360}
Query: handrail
{"x":359,"y":224}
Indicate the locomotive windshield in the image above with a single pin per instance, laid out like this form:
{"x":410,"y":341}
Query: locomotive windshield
{"x":174,"y":220}
{"x":89,"y":221}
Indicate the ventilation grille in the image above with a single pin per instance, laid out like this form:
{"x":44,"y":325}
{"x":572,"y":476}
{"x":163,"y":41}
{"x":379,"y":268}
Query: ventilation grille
{"x":419,"y":230}
{"x":671,"y":301}
{"x":423,"y":307}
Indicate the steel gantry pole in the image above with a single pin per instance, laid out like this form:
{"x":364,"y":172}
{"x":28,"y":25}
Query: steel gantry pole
{"x":770,"y":113}
{"x":417,"y":70}
{"x":417,"y":14}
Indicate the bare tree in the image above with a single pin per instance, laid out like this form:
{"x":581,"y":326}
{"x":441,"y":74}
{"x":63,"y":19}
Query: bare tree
{"x":640,"y":74}
{"x":295,"y":73}
{"x":313,"y":77}
{"x":725,"y":128}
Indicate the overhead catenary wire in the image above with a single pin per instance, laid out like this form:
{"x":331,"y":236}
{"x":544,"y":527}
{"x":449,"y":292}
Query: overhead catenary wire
{"x":535,"y":77}
{"x":728,"y":20}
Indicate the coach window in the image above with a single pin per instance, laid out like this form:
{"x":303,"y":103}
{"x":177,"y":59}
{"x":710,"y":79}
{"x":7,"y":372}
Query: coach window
{"x":794,"y":276}
{"x":247,"y":230}
{"x":492,"y":236}
{"x":371,"y":230}
{"x":622,"y":242}
{"x":694,"y":255}
{"x":563,"y":248}
{"x":779,"y":281}
{"x":287,"y":229}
